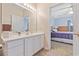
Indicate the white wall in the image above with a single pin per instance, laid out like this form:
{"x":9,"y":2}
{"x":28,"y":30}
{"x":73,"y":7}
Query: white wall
{"x":43,"y":22}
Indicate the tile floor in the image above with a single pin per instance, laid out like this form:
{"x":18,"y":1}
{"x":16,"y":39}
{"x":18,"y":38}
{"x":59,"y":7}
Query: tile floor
{"x":58,"y":49}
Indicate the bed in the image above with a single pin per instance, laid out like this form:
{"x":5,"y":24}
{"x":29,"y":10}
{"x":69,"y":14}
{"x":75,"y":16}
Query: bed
{"x":66,"y":37}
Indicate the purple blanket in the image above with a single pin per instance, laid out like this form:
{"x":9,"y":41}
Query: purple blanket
{"x":62,"y":35}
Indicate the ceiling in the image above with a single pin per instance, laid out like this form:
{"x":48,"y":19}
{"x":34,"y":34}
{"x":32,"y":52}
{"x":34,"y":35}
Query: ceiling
{"x":56,"y":9}
{"x":60,"y":10}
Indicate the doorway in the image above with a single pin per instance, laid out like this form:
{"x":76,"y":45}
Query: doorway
{"x":61,"y":32}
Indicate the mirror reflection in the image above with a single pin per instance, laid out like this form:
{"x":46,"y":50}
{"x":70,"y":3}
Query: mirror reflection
{"x":20,"y":24}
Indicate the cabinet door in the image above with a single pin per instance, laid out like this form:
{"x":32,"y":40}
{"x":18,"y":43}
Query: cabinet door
{"x":42,"y":41}
{"x":12,"y":51}
{"x":30,"y":46}
{"x":26,"y":47}
{"x":16,"y":51}
{"x":37,"y":43}
{"x":20,"y":50}
{"x":14,"y":43}
{"x":15,"y":48}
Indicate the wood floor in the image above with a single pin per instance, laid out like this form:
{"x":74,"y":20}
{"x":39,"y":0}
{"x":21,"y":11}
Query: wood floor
{"x":58,"y":49}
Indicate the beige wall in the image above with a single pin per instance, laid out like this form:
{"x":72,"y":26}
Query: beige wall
{"x":0,"y":21}
{"x":76,"y":29}
{"x":12,"y":9}
{"x":42,"y":22}
{"x":8,"y":10}
{"x":32,"y":22}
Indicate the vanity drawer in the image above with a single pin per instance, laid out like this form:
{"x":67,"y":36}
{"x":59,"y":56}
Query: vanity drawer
{"x":15,"y":43}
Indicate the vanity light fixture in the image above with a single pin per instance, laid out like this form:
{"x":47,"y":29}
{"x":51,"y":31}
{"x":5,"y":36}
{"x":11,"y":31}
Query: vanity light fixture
{"x":27,"y":7}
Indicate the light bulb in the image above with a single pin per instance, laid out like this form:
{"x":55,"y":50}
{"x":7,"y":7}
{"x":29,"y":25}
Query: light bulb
{"x":71,"y":12}
{"x":24,"y":4}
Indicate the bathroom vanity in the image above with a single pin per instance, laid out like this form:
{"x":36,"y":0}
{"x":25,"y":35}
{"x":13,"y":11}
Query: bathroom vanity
{"x":22,"y":45}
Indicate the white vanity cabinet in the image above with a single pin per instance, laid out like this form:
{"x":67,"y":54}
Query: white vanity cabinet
{"x":26,"y":45}
{"x":14,"y":48}
{"x":37,"y":43}
{"x":33,"y":44}
{"x":30,"y":46}
{"x":42,"y":41}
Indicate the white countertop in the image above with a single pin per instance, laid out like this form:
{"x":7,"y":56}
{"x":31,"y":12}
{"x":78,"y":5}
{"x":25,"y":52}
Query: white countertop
{"x":9,"y":37}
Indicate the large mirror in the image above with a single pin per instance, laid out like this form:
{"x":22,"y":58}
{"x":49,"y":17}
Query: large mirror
{"x":20,"y":24}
